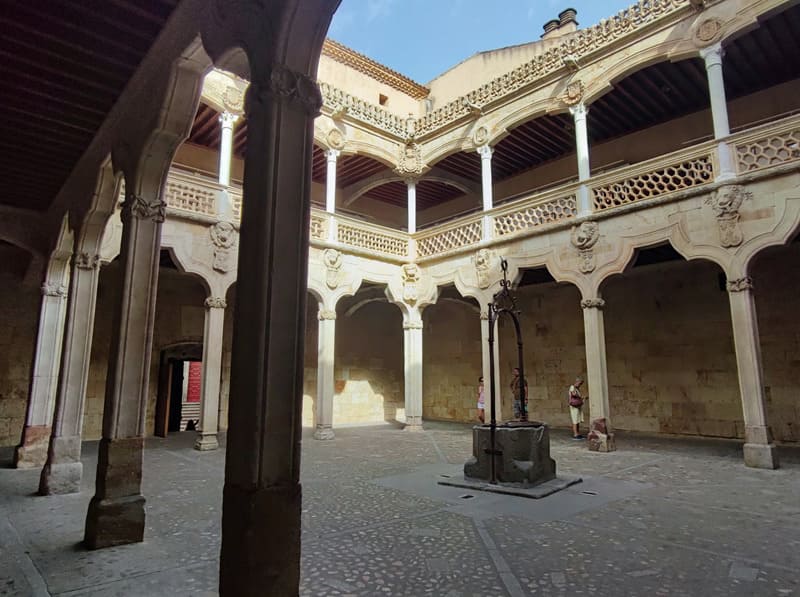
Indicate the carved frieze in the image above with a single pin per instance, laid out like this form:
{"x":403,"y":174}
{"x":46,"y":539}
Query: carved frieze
{"x":55,"y":290}
{"x":412,"y":325}
{"x":726,"y":202}
{"x":593,"y":303}
{"x":288,"y":85}
{"x":141,"y":208}
{"x":584,"y":238}
{"x":215,"y":302}
{"x":326,"y":314}
{"x":223,"y":238}
{"x":84,"y":260}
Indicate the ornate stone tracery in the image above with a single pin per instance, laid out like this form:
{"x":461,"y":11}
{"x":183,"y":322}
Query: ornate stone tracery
{"x":726,"y":202}
{"x":584,"y":238}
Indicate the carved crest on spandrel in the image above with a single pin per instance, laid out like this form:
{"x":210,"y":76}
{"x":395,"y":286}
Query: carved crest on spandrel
{"x":333,"y":265}
{"x":584,"y":238}
{"x":726,"y":202}
{"x":223,"y":238}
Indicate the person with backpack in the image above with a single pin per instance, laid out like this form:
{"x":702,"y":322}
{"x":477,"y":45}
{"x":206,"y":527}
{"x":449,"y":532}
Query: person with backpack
{"x":575,"y":401}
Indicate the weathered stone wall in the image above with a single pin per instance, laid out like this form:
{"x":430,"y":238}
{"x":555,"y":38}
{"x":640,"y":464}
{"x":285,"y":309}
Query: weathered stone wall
{"x":451,"y":355}
{"x":19,"y":309}
{"x":179,"y":318}
{"x":368,"y":367}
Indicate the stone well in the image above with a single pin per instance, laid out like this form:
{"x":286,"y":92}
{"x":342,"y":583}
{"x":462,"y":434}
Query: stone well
{"x":524,"y":457}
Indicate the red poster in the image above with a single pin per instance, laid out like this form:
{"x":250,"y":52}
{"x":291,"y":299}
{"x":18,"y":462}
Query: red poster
{"x":193,"y":387}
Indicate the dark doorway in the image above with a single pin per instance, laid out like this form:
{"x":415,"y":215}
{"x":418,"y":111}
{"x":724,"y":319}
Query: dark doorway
{"x":169,"y":400}
{"x":175,"y":393}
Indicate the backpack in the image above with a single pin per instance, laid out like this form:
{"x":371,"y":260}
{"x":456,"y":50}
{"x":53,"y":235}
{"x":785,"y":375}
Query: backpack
{"x":575,"y":401}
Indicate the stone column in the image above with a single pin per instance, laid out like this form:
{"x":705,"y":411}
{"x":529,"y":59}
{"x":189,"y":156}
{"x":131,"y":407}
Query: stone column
{"x":486,"y":372}
{"x":32,"y":449}
{"x":486,"y":188}
{"x":63,"y":471}
{"x":596,"y":367}
{"x":326,"y":342}
{"x":116,"y":512}
{"x":212,"y":373}
{"x":759,"y":449}
{"x":262,"y":495}
{"x":579,"y":115}
{"x":227,"y":120}
{"x":719,"y":107}
{"x":330,"y":191}
{"x":412,"y":205}
{"x":412,"y":367}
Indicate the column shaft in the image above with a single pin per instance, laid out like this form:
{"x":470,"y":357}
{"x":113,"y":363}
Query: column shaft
{"x":487,"y":373}
{"x":412,"y":342}
{"x":759,"y":449}
{"x":412,"y":206}
{"x":486,"y":188}
{"x":227,"y":120}
{"x":32,"y":449}
{"x":211,"y":374}
{"x":579,"y":115}
{"x":116,"y":512}
{"x":262,"y":495}
{"x":330,"y":192}
{"x":719,"y":108}
{"x":596,"y":368}
{"x":326,"y":342}
{"x":63,"y":470}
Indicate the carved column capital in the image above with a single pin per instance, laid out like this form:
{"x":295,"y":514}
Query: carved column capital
{"x":215,"y":302}
{"x":332,"y":155}
{"x":326,"y":315}
{"x":485,"y":151}
{"x":84,"y":260}
{"x":228,"y":119}
{"x":740,"y":284}
{"x":412,"y":325}
{"x":55,"y":290}
{"x":484,"y":315}
{"x":593,"y":303}
{"x":142,"y":209}
{"x":579,"y":111}
{"x":283,"y":83}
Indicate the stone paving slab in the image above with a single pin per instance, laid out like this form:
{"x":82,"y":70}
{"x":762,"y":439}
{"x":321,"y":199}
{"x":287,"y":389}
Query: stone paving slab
{"x":537,"y":492}
{"x":658,"y":517}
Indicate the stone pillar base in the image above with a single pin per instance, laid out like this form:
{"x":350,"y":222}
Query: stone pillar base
{"x":260,"y":541}
{"x":600,"y":439}
{"x":61,"y":478}
{"x":761,"y":456}
{"x":324,"y":432}
{"x":32,"y":449}
{"x":413,"y":427}
{"x":114,"y":521}
{"x":206,"y":441}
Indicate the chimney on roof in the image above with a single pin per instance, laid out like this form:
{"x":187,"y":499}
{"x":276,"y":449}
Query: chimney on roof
{"x":564,"y":24}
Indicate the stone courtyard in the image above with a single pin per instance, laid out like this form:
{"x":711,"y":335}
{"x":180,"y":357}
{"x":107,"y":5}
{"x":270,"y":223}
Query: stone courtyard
{"x":658,"y":517}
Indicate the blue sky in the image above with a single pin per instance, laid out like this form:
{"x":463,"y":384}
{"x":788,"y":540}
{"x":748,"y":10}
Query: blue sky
{"x":423,"y":38}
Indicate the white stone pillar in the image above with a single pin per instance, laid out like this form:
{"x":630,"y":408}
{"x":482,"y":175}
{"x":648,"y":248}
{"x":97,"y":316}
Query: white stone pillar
{"x":227,"y":120}
{"x":116,"y":512}
{"x":412,"y":205}
{"x":332,"y":156}
{"x":486,"y":188}
{"x":579,"y":115}
{"x":211,"y":374}
{"x":32,"y":449}
{"x":719,"y":107}
{"x":486,"y":372}
{"x":759,"y":448}
{"x":326,"y":343}
{"x":63,"y":471}
{"x":596,"y":366}
{"x":412,"y":368}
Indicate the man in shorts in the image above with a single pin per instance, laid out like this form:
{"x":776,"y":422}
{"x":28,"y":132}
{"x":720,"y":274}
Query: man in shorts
{"x":575,"y":401}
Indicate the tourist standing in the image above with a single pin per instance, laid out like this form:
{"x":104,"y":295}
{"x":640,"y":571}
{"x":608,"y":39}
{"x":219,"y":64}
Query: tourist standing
{"x":481,"y":401}
{"x":516,"y":388}
{"x":575,"y":401}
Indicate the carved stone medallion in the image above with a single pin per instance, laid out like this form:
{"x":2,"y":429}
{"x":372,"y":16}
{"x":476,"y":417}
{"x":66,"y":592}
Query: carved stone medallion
{"x":411,"y":276}
{"x":584,"y":238}
{"x":410,"y":159}
{"x":335,"y":139}
{"x":573,"y":94}
{"x":223,"y":237}
{"x":707,"y":32}
{"x":726,"y":202}
{"x":482,"y":261}
{"x":333,"y":265}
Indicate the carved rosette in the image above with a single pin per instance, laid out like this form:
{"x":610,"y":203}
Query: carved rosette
{"x":707,"y":32}
{"x":410,"y":159}
{"x":223,"y":238}
{"x":84,"y":260}
{"x":215,"y":302}
{"x":285,"y":84}
{"x":740,"y":284}
{"x":333,"y":266}
{"x":584,"y":238}
{"x":411,"y":275}
{"x":326,"y":314}
{"x":54,"y":290}
{"x":142,"y":209}
{"x":726,"y":202}
{"x":593,"y":303}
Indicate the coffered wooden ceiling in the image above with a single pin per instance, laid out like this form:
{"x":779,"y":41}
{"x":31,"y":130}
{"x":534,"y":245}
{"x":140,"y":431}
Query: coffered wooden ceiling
{"x":63,"y":65}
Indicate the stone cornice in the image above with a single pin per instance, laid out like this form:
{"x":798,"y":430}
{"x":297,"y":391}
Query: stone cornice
{"x":366,"y":65}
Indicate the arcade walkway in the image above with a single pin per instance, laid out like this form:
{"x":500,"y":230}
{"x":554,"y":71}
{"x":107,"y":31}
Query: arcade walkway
{"x":657,"y":517}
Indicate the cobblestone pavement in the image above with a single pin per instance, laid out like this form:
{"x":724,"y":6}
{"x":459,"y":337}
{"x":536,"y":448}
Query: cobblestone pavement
{"x":658,"y":517}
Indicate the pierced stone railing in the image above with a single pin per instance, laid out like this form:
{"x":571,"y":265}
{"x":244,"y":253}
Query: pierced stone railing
{"x":191,"y":193}
{"x":653,"y":179}
{"x":318,"y":226}
{"x":770,"y":145}
{"x":370,"y":237}
{"x":450,"y":236}
{"x":535,"y":211}
{"x":335,"y":99}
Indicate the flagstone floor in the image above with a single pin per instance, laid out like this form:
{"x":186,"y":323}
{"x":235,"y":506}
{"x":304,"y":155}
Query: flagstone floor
{"x":658,"y":517}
